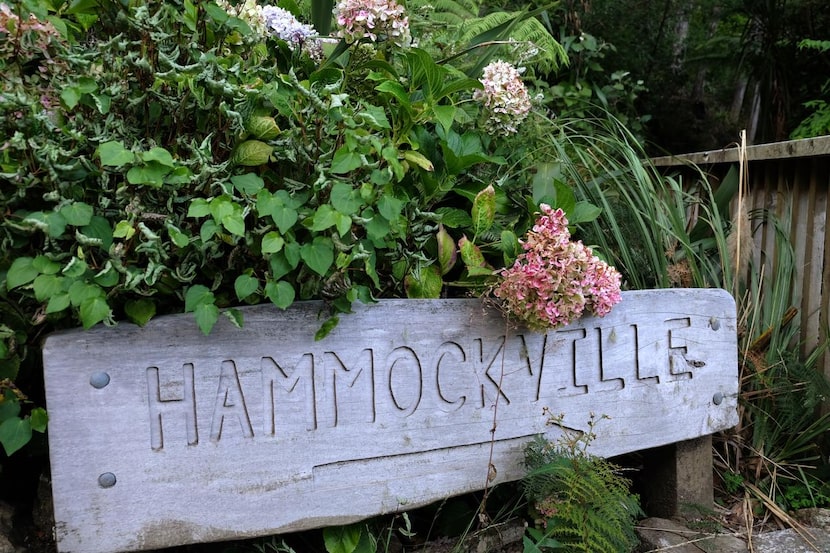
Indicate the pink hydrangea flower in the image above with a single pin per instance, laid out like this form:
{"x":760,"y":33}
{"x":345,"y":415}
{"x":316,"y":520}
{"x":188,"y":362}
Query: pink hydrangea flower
{"x":375,"y":19}
{"x":504,"y":97}
{"x":555,"y":280}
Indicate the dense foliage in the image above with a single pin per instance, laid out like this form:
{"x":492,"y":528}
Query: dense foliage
{"x":196,"y":156}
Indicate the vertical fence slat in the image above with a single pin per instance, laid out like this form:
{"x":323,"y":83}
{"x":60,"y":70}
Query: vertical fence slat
{"x":814,"y":247}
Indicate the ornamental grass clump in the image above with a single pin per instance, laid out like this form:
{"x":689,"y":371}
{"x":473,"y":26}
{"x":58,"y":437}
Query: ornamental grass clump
{"x":556,"y":279}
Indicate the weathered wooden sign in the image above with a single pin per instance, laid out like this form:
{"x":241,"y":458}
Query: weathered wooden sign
{"x":160,"y":436}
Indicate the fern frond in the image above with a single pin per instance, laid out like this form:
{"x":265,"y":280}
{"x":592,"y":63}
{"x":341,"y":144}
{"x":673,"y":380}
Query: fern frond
{"x":530,"y":30}
{"x":458,"y":10}
{"x":586,"y":504}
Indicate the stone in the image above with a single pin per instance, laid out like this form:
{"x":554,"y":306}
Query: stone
{"x":806,"y":540}
{"x":161,"y":436}
{"x":659,"y":534}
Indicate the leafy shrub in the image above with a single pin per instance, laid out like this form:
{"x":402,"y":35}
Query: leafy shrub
{"x":179,"y":155}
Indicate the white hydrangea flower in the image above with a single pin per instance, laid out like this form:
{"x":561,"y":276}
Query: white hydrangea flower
{"x":504,"y":96}
{"x":248,"y":11}
{"x":387,"y":19}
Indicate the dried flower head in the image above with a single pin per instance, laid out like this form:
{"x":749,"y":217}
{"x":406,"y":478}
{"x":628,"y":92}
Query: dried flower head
{"x":556,"y":279}
{"x":373,"y":19}
{"x":504,"y":98}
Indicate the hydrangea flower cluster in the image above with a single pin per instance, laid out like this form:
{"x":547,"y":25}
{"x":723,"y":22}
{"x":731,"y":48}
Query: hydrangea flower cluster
{"x":374,"y":19}
{"x":504,"y":96}
{"x":278,"y":22}
{"x":555,"y":280}
{"x":11,"y":23}
{"x":283,"y":25}
{"x":248,"y":11}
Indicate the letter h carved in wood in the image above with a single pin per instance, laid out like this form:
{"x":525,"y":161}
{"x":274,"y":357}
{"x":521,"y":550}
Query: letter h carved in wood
{"x":166,"y":408}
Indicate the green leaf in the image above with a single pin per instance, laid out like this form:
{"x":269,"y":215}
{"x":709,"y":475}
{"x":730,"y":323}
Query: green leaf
{"x":344,"y":198}
{"x":103,"y":102}
{"x":454,"y":218}
{"x":280,"y":293}
{"x":484,"y":210}
{"x":342,"y":539}
{"x":245,"y":285}
{"x":15,"y":433}
{"x":199,"y":207}
{"x":234,"y":223}
{"x":179,"y":238}
{"x":81,"y":291}
{"x":206,"y":316}
{"x":223,"y":206}
{"x":470,"y":253}
{"x":318,"y":255}
{"x":208,"y":230}
{"x":87,"y":84}
{"x":46,"y":266}
{"x":323,"y":218}
{"x":179,"y":175}
{"x":345,"y":160}
{"x":114,"y":154}
{"x":75,"y":268}
{"x":445,"y":115}
{"x":215,"y":12}
{"x":58,"y":303}
{"x":272,"y":242}
{"x":418,"y":159}
{"x":107,"y":277}
{"x":424,"y":282}
{"x":123,"y":229}
{"x":397,"y":90}
{"x":583,"y":212}
{"x":447,"y":251}
{"x":151,"y":173}
{"x":263,"y":127}
{"x":46,"y":286}
{"x":390,"y":207}
{"x":279,"y":265}
{"x":249,"y":183}
{"x":159,"y":155}
{"x":278,"y":206}
{"x":235,"y":316}
{"x":9,"y":406}
{"x":78,"y":214}
{"x":252,"y":153}
{"x":197,"y":295}
{"x":375,"y":116}
{"x":99,"y":228}
{"x":94,"y":310}
{"x":343,"y":223}
{"x":140,"y":311}
{"x":38,"y":419}
{"x":324,"y":330}
{"x":21,"y":272}
{"x":71,"y":96}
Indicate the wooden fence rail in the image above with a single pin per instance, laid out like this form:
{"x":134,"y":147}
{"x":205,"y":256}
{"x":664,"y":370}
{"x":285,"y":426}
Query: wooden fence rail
{"x":789,"y":180}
